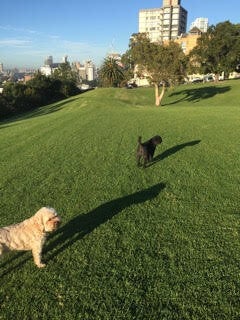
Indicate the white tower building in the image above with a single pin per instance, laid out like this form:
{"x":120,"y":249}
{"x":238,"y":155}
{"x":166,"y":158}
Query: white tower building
{"x":64,"y":59}
{"x":89,"y":67}
{"x":200,"y":23}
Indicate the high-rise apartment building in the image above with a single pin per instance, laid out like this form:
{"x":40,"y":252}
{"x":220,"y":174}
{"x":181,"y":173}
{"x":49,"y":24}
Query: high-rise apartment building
{"x":200,"y":23}
{"x":165,"y":23}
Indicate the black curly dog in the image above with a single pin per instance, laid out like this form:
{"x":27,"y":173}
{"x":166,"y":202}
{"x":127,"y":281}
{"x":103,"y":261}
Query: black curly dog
{"x":145,"y":150}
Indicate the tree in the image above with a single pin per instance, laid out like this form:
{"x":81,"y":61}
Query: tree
{"x":128,"y":67}
{"x":14,"y":95}
{"x":162,"y":64}
{"x":65,"y":72}
{"x":111,"y":73}
{"x":68,"y":79}
{"x":218,"y":49}
{"x":39,"y":91}
{"x":6,"y":107}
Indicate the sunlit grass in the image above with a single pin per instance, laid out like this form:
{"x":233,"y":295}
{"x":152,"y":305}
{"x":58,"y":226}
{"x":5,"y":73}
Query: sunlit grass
{"x":155,"y":243}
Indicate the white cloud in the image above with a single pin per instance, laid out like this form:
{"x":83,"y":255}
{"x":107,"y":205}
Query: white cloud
{"x":36,"y":45}
{"x":13,"y":29}
{"x":17,"y":43}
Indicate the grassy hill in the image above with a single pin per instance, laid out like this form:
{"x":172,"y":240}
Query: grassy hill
{"x":155,"y":243}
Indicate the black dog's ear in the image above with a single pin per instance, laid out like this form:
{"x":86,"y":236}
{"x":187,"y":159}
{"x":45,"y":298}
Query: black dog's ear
{"x":157,"y":140}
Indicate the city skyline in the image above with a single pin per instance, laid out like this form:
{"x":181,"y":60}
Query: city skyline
{"x":84,"y":31}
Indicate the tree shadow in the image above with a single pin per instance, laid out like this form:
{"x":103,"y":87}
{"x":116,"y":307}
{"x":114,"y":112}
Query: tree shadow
{"x":167,"y":153}
{"x":50,"y":108}
{"x":199,"y":93}
{"x":83,"y":224}
{"x":41,"y":111}
{"x":16,"y":260}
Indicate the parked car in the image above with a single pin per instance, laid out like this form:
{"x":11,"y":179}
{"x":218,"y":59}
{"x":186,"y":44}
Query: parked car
{"x":131,"y":85}
{"x":197,"y":80}
{"x":208,"y":78}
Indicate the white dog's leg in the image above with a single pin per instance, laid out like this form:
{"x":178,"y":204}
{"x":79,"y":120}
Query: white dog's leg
{"x":37,"y":257}
{"x":1,"y":249}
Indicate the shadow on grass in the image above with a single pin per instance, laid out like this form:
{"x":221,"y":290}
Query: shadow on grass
{"x":199,"y":93}
{"x":15,"y":259}
{"x":80,"y":226}
{"x":50,"y":108}
{"x":84,"y":224}
{"x":167,"y":153}
{"x":41,"y":111}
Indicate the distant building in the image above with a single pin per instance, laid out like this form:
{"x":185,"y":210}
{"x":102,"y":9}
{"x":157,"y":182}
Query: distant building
{"x":49,"y":66}
{"x":165,"y":23}
{"x":46,"y":70}
{"x":64,"y":59}
{"x":1,"y":67}
{"x":89,"y":70}
{"x":28,"y":77}
{"x":48,"y":61}
{"x":201,"y":24}
{"x":86,"y":71}
{"x":188,"y":41}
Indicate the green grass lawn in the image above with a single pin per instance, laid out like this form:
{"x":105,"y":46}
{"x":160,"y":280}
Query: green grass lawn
{"x":152,"y":244}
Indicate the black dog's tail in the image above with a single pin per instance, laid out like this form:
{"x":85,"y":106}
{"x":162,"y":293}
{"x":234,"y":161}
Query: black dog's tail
{"x":140,"y":140}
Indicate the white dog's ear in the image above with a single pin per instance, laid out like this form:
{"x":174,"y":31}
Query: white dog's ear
{"x":39,"y":218}
{"x":43,"y":216}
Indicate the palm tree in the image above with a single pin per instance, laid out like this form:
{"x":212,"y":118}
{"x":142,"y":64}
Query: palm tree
{"x":111,"y":73}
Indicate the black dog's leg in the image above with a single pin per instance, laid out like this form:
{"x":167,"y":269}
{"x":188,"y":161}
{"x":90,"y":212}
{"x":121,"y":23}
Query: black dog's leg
{"x":151,"y":153}
{"x":138,"y":160}
{"x":145,"y":161}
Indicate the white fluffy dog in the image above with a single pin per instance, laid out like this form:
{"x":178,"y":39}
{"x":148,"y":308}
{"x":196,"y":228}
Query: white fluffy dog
{"x":30,"y":234}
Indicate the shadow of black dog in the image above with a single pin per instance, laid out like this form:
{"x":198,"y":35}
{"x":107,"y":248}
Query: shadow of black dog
{"x":169,"y":152}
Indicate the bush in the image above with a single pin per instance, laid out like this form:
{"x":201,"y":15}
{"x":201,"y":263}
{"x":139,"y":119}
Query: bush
{"x":41,"y":90}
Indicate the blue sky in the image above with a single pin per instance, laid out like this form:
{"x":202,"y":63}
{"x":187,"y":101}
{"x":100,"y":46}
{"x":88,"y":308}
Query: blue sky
{"x":31,"y":30}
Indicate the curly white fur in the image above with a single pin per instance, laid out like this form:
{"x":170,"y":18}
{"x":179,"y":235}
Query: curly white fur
{"x":30,"y":234}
